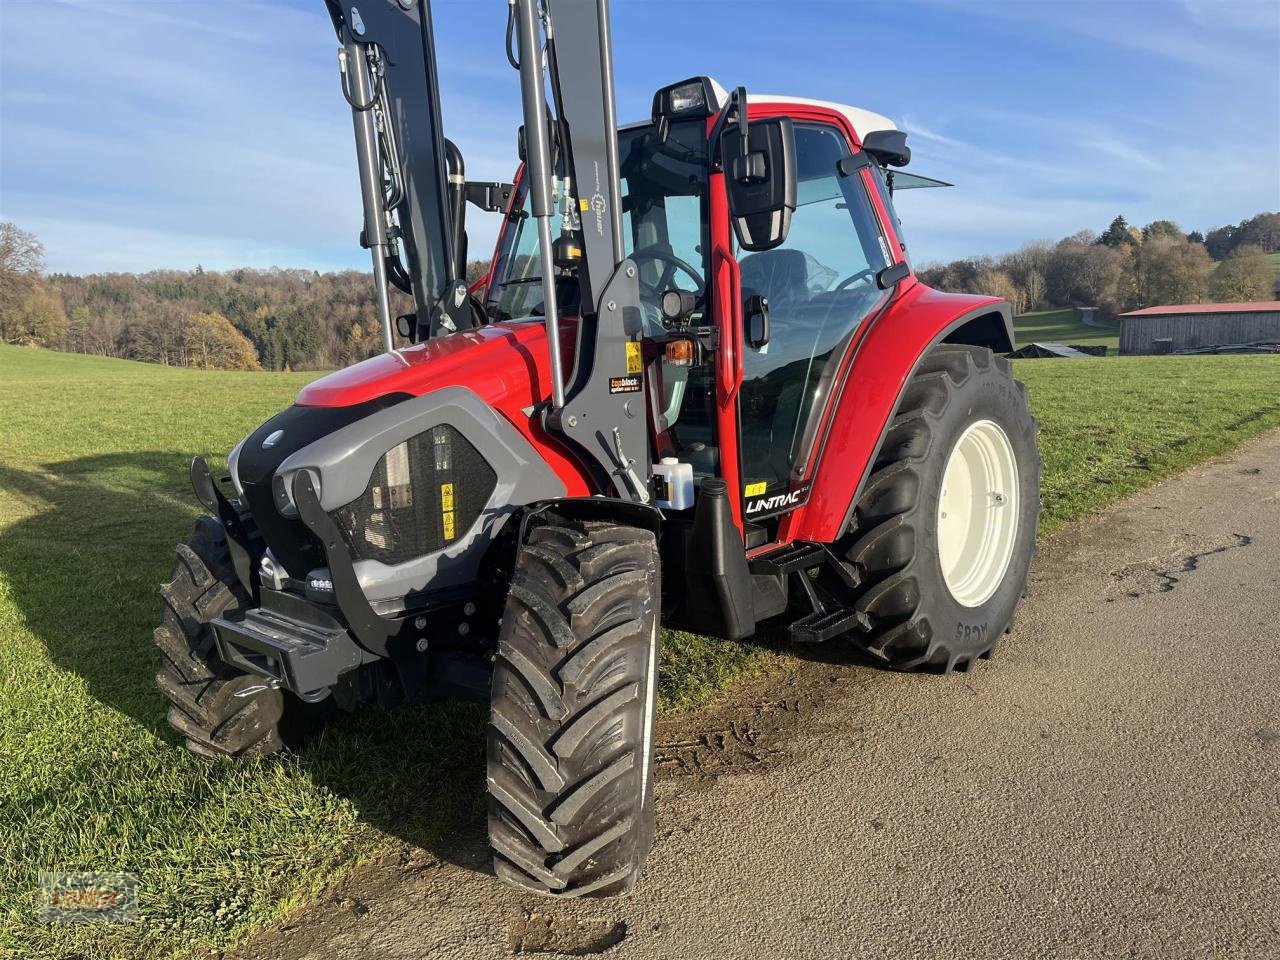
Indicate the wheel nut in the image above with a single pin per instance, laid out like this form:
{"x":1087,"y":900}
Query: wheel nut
{"x":421,"y":645}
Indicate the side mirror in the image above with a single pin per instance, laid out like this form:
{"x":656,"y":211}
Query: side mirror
{"x":404,"y":325}
{"x":889,"y":147}
{"x":760,"y":179}
{"x":755,"y":317}
{"x":890,"y":276}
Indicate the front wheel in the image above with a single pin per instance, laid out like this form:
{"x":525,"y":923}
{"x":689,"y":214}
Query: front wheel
{"x":219,"y":711}
{"x":944,"y":531}
{"x":570,"y":740}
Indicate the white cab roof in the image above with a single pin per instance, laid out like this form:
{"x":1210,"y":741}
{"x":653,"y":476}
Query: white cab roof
{"x":862,"y":121}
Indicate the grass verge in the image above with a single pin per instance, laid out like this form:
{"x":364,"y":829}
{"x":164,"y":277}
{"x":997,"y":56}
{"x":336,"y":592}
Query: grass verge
{"x":93,"y":496}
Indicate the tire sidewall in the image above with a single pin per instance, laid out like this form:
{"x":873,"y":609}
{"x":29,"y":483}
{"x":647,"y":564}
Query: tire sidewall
{"x":987,"y":394}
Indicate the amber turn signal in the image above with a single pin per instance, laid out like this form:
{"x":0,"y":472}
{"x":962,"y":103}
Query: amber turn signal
{"x":681,"y":353}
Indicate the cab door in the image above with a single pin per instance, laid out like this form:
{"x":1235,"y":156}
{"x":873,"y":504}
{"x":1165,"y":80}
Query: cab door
{"x":819,"y":284}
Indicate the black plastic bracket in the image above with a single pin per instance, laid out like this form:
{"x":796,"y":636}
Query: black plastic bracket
{"x":491,"y":197}
{"x":371,"y":630}
{"x":593,"y":508}
{"x":243,"y":558}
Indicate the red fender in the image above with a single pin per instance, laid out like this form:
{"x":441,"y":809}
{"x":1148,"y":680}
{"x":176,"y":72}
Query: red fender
{"x":880,"y":361}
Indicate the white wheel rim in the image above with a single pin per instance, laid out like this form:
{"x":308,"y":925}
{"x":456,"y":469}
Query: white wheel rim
{"x":978,"y":513}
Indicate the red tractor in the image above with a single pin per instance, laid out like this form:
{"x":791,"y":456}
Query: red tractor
{"x":700,"y":386}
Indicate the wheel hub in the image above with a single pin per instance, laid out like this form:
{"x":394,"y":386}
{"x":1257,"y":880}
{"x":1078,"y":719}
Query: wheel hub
{"x":977,"y":522}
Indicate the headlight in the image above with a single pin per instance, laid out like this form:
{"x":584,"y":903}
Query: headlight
{"x":695,"y":97}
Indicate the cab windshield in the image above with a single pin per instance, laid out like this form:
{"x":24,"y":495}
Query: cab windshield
{"x":664,"y":196}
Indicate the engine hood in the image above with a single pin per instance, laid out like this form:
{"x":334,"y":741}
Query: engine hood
{"x":505,"y":364}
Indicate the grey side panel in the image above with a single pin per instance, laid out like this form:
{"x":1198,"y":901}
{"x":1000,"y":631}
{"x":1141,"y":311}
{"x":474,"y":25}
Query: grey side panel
{"x":609,"y":423}
{"x":343,"y":462}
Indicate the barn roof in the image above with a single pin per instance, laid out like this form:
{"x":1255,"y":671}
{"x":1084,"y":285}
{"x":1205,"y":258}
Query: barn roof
{"x":1254,"y":306}
{"x":1040,"y":349}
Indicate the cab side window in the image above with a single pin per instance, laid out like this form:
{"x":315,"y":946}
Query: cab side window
{"x":821,"y":284}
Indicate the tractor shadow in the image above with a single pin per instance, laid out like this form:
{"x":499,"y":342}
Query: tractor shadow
{"x":83,"y":572}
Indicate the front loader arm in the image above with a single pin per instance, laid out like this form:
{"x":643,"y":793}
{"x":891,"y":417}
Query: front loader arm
{"x":388,"y":67}
{"x":601,"y":407}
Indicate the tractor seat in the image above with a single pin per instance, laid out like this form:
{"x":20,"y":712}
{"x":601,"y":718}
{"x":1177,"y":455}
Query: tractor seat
{"x":780,"y":275}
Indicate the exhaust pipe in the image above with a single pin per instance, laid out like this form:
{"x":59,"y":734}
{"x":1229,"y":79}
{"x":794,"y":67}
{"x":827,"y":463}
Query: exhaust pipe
{"x":457,"y":173}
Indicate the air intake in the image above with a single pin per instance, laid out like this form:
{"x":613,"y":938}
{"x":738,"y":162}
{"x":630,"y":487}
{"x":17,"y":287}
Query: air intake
{"x":424,"y":494}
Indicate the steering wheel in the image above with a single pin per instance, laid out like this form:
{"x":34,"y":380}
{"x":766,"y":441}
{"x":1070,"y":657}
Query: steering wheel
{"x":866,"y":274}
{"x":673,"y":263}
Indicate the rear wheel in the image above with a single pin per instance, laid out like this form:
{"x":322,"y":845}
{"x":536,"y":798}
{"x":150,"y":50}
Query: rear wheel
{"x":570,"y":741}
{"x":220,"y":711}
{"x":944,"y":532}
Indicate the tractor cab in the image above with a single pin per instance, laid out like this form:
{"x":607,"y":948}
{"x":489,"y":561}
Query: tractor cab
{"x":800,"y":296}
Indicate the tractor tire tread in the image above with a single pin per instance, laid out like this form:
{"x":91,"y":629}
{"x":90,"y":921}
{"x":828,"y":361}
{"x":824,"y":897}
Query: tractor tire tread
{"x":571,"y":810}
{"x":218,"y":710}
{"x":880,"y":542}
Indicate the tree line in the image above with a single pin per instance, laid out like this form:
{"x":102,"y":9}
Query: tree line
{"x":280,"y":319}
{"x":274,"y":319}
{"x":1125,"y":268}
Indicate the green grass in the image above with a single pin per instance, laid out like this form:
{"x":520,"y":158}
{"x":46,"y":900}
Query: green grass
{"x":1064,"y":326}
{"x":93,"y":496}
{"x":1275,"y":263}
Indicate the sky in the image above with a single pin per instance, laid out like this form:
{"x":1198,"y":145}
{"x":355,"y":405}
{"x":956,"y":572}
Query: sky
{"x":139,"y":134}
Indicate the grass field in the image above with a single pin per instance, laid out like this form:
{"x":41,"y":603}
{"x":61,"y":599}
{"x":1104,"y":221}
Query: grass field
{"x":1064,"y":326}
{"x":93,"y":496}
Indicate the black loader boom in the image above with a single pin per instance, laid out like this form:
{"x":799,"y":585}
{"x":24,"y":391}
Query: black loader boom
{"x":411,"y":196}
{"x":414,"y":193}
{"x":602,"y":408}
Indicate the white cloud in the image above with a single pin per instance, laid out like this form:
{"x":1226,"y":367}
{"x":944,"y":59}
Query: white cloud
{"x":168,"y":133}
{"x":1125,"y":152}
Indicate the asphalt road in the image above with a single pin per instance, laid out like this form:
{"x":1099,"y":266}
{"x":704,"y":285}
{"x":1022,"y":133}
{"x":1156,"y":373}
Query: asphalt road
{"x":1108,"y":786}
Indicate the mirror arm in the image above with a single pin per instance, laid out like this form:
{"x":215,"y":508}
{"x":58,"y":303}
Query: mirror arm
{"x":735,"y":106}
{"x":740,"y":97}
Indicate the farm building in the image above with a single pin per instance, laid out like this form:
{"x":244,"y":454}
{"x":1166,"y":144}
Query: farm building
{"x":1199,"y":326}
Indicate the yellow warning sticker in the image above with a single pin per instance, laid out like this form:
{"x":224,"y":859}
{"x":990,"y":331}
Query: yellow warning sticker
{"x":755,"y":489}
{"x":634,"y":362}
{"x":584,"y":205}
{"x":446,"y":506}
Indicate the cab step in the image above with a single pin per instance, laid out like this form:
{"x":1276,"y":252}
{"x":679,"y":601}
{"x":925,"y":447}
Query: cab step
{"x":827,"y":619}
{"x":821,"y":627}
{"x":793,"y":558}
